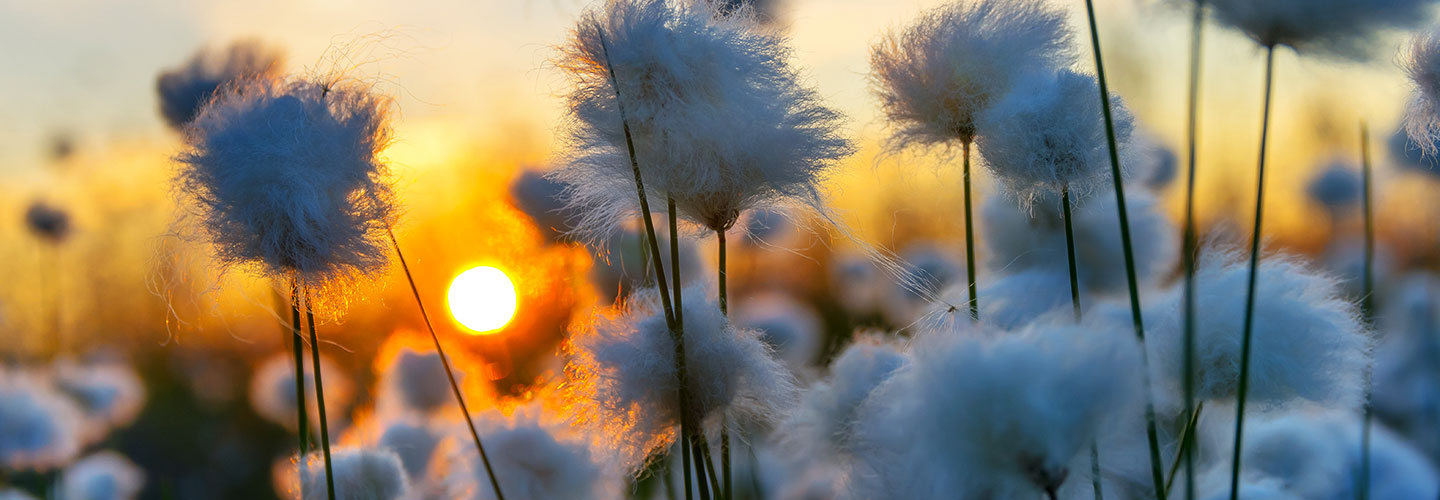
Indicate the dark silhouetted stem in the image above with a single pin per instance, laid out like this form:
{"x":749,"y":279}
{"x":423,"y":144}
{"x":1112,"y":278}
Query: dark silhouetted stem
{"x":1187,"y":438}
{"x":445,"y":362}
{"x":676,"y":333}
{"x":689,"y":428}
{"x":320,"y":395}
{"x":1115,"y":174}
{"x":1367,"y":305}
{"x":724,"y":293}
{"x":302,"y":410}
{"x":1190,"y":243}
{"x":970,"y":240}
{"x":1075,"y":307}
{"x":1249,"y":325}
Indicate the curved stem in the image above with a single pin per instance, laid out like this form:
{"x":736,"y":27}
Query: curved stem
{"x":445,"y":362}
{"x":1249,"y":324}
{"x":1186,"y":448}
{"x":1190,"y":243}
{"x":1075,"y":306}
{"x":1115,"y":174}
{"x":970,"y":241}
{"x":1367,"y":306}
{"x":320,"y":395}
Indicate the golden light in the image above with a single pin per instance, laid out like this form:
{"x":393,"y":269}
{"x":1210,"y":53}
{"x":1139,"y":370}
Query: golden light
{"x":482,"y":299}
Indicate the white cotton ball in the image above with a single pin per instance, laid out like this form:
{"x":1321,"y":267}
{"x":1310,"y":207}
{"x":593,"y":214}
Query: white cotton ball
{"x":791,"y":327}
{"x":1336,"y":187}
{"x":934,"y":268}
{"x":1308,"y":343}
{"x":40,"y":429}
{"x":532,"y":461}
{"x":1345,"y":259}
{"x":359,"y":474}
{"x":857,"y":284}
{"x":287,"y":177}
{"x":994,"y":416}
{"x":1411,"y":154}
{"x":414,"y":443}
{"x":188,"y":88}
{"x":417,"y":381}
{"x":935,"y":77}
{"x":1048,"y":133}
{"x":1344,"y":29}
{"x":272,"y":390}
{"x":623,"y":375}
{"x":820,"y":427}
{"x":110,"y":394}
{"x":106,"y":475}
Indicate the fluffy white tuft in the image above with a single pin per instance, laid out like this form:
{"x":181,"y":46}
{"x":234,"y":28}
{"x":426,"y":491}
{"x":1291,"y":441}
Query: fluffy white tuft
{"x":39,"y":428}
{"x":272,"y":390}
{"x":1336,"y":187}
{"x":540,"y":198}
{"x":1019,"y":241}
{"x":186,"y":89}
{"x":417,"y":381}
{"x":623,"y":375}
{"x":935,"y":77}
{"x":359,"y":473}
{"x":47,"y":222}
{"x":1002,"y":417}
{"x":533,"y":461}
{"x":791,"y":327}
{"x":288,"y":178}
{"x":1344,"y":29}
{"x":719,"y":118}
{"x":1422,"y":118}
{"x":1308,"y":341}
{"x":109,"y":393}
{"x":106,"y":475}
{"x":1049,"y":133}
{"x":415,"y":443}
{"x":820,"y":428}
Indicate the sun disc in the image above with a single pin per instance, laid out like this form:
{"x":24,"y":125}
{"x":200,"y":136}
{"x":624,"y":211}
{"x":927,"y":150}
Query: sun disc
{"x":482,"y":299}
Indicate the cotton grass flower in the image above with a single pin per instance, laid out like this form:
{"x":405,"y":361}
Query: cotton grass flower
{"x":272,"y":389}
{"x":791,"y":327}
{"x":49,"y":223}
{"x":288,"y":178}
{"x":1309,"y":344}
{"x":106,"y":475}
{"x":40,"y":428}
{"x":1336,"y":187}
{"x":720,"y":121}
{"x":1409,"y":155}
{"x":996,"y":417}
{"x":186,"y":89}
{"x":417,"y":381}
{"x":533,"y":460}
{"x":1047,"y":134}
{"x":623,"y":375}
{"x":360,"y":474}
{"x":110,"y":394}
{"x":414,"y":443}
{"x":1422,"y":118}
{"x":540,"y":198}
{"x":820,"y":428}
{"x":1343,"y":29}
{"x":937,"y":76}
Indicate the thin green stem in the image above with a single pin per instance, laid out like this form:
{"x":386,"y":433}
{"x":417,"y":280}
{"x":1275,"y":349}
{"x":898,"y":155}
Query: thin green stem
{"x":1367,"y":305}
{"x":1115,"y":174}
{"x":1249,"y":325}
{"x":689,"y":428}
{"x":320,"y":395}
{"x":970,"y":240}
{"x":723,"y":271}
{"x":676,"y":332}
{"x":702,"y":448}
{"x":1075,"y":306}
{"x":302,"y":409}
{"x":1187,"y":437}
{"x":1190,"y":240}
{"x":445,"y":362}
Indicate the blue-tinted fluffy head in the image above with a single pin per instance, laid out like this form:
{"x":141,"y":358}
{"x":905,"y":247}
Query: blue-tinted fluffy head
{"x":1344,"y":29}
{"x":186,"y":89}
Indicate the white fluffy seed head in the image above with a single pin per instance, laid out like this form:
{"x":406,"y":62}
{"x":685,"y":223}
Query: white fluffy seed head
{"x":936,"y":76}
{"x":996,"y":417}
{"x":719,"y":119}
{"x":532,"y":460}
{"x":820,"y":428}
{"x":417,"y":380}
{"x":1021,"y":241}
{"x":540,"y":198}
{"x":1336,"y":187}
{"x":272,"y":389}
{"x":359,"y":473}
{"x":105,"y":475}
{"x":39,"y":428}
{"x":1308,"y":343}
{"x":623,"y":375}
{"x":1421,"y":62}
{"x":1344,"y":29}
{"x":110,"y":394}
{"x":791,"y":327}
{"x":288,"y":178}
{"x":1049,"y":133}
{"x":186,"y":89}
{"x":415,"y":443}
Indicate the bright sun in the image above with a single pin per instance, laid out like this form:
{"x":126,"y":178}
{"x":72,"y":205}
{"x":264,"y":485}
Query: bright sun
{"x":482,"y":299}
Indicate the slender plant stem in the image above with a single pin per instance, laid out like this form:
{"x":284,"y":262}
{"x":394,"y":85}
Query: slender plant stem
{"x":676,"y":333}
{"x":702,"y":448}
{"x":726,"y":493}
{"x":297,"y":343}
{"x":1190,"y":242}
{"x":689,"y":428}
{"x":1187,"y":448}
{"x":970,"y":239}
{"x":1367,"y":304}
{"x":445,"y":362}
{"x":320,"y":395}
{"x":1129,"y":251}
{"x":1075,"y":307}
{"x":1249,"y":326}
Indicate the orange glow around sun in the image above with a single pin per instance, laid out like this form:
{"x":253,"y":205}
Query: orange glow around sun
{"x":482,"y":299}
